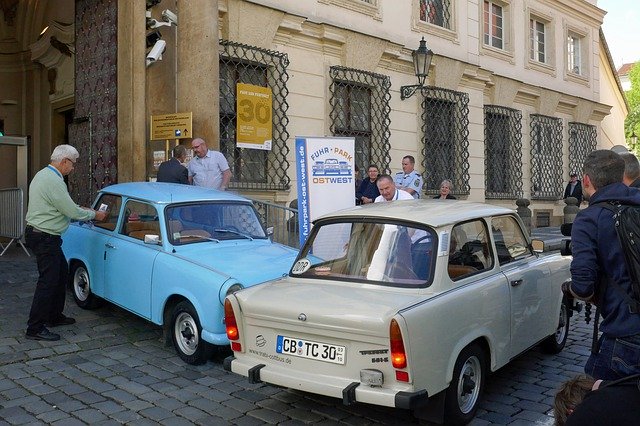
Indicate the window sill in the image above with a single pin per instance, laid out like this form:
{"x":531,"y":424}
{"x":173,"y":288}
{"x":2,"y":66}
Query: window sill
{"x":577,"y":78}
{"x":433,"y":29}
{"x":494,"y":52}
{"x":372,"y":10}
{"x":541,"y":67}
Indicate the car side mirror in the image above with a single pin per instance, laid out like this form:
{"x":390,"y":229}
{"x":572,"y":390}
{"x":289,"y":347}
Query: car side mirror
{"x":537,"y":245}
{"x":152,"y":239}
{"x":565,"y":229}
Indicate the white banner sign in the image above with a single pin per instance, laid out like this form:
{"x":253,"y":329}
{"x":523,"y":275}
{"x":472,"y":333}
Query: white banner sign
{"x":325,"y":168}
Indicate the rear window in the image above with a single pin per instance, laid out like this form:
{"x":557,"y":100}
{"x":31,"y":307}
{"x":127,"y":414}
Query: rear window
{"x":383,"y":253}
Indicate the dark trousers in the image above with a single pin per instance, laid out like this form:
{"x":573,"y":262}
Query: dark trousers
{"x":49,"y":296}
{"x":617,"y":358}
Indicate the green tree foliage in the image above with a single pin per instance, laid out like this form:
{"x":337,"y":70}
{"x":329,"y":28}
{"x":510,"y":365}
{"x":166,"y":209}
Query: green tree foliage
{"x":632,"y":122}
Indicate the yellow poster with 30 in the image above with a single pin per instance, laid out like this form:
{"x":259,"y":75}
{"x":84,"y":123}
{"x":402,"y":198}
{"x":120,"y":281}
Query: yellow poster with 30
{"x":254,"y":116}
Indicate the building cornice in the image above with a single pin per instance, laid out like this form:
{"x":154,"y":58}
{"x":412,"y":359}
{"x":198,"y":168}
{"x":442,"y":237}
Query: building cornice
{"x":579,"y":9}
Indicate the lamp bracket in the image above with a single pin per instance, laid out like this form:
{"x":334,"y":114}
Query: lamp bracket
{"x":408,"y":91}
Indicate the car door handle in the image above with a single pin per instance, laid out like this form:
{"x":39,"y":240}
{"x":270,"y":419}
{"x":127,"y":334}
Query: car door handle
{"x":109,"y":245}
{"x":516,"y":283}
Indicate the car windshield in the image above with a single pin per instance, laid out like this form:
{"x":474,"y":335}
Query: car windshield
{"x":381,"y":253}
{"x":212,"y":221}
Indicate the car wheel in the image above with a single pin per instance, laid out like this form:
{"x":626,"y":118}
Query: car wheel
{"x":555,"y":343}
{"x":81,"y":287}
{"x":186,"y":335}
{"x":464,"y":392}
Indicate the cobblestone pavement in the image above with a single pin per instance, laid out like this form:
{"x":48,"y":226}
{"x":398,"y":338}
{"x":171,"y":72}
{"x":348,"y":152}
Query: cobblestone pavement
{"x":112,"y":368}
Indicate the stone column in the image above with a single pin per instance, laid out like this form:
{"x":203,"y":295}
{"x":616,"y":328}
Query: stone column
{"x":132,"y":125}
{"x":524,"y":212}
{"x":198,"y":74}
{"x":571,"y":209}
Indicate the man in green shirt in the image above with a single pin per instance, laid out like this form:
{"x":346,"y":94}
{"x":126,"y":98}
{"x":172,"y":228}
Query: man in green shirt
{"x":48,"y":215}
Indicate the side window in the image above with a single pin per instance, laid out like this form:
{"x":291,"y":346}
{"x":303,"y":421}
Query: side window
{"x":511,"y":243}
{"x":139,"y":220}
{"x":469,"y":251}
{"x":111,"y":204}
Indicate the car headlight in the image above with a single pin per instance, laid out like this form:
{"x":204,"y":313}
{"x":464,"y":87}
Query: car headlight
{"x":234,"y":288}
{"x":230,"y":290}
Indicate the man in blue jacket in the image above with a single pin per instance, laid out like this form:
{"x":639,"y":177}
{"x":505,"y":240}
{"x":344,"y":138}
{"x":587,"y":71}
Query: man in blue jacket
{"x":598,"y":263}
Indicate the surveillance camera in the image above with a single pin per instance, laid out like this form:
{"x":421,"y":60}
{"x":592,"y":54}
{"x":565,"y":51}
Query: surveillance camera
{"x":153,"y":24}
{"x":170,"y":17}
{"x":155,"y":53}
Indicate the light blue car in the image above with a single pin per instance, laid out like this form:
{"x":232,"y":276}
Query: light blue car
{"x":171,"y":254}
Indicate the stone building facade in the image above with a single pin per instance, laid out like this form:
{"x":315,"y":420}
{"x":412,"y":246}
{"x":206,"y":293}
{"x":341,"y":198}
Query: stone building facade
{"x":518,"y":91}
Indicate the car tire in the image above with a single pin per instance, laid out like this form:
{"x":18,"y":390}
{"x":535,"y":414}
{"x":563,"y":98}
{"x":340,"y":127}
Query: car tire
{"x":555,"y":343}
{"x":466,"y":387}
{"x":186,"y":335}
{"x":81,"y":287}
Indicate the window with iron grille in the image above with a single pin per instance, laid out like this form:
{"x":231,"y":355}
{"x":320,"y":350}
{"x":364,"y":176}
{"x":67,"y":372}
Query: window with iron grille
{"x":253,"y":168}
{"x":502,"y":152}
{"x":437,"y":12}
{"x":360,"y":108}
{"x":546,"y":157}
{"x":582,"y":140}
{"x":445,"y":130}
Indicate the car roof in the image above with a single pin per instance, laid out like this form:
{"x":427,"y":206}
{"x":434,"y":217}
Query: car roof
{"x":160,"y":192}
{"x":432,"y":212}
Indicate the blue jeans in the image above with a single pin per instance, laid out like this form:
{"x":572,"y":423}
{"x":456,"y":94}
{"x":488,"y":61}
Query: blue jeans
{"x":617,"y":358}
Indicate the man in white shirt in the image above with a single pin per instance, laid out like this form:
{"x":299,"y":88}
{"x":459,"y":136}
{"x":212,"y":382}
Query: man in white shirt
{"x":389,"y":192}
{"x":208,"y":167}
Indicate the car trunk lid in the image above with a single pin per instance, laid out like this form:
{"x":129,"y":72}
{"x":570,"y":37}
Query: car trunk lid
{"x":322,"y":306}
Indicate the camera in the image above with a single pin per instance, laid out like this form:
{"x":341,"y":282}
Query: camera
{"x":156,"y":51}
{"x":170,"y":17}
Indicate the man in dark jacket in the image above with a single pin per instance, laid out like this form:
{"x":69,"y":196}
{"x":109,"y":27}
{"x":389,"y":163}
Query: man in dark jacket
{"x":598,"y":264}
{"x":574,"y":188}
{"x":631,"y":170}
{"x":368,"y":190}
{"x":173,"y":171}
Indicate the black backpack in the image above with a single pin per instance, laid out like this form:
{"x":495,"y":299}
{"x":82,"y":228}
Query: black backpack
{"x":627,"y":222}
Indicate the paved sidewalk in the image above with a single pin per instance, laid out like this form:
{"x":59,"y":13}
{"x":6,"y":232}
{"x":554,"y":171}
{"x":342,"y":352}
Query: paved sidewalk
{"x":112,"y":368}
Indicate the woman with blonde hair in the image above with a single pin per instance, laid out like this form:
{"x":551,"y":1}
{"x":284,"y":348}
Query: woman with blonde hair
{"x":445,"y":191}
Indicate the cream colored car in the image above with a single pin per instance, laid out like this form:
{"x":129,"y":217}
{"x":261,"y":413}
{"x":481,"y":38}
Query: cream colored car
{"x":407,"y":304}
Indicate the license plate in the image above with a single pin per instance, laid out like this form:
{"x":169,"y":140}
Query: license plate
{"x":309,"y":349}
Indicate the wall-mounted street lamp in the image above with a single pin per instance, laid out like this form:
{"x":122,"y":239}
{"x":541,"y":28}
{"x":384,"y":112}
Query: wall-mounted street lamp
{"x":634,"y":141}
{"x":421,"y":63}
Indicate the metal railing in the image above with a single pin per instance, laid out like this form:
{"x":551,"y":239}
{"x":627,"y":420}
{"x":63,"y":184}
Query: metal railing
{"x":283,"y":220}
{"x":11,"y":217}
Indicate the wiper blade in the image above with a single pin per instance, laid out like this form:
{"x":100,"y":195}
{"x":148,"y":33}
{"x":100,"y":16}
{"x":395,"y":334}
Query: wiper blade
{"x":215,"y":240}
{"x":232,"y":231}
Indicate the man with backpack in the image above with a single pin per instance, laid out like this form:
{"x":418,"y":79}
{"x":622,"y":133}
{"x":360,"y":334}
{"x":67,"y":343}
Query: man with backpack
{"x":599,"y":272}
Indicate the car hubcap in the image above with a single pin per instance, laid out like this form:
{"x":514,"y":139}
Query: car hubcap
{"x":562,"y":329}
{"x":469,"y":384}
{"x":81,"y":284}
{"x":186,"y":332}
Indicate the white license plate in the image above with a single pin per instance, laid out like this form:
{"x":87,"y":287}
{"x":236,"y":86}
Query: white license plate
{"x":309,"y":349}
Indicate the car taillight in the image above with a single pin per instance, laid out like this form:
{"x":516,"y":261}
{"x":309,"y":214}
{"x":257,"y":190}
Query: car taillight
{"x":231,"y":325}
{"x":398,"y":355}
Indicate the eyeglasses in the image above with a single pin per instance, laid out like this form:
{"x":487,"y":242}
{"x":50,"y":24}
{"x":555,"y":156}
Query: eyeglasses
{"x":196,"y":146}
{"x":72,"y":162}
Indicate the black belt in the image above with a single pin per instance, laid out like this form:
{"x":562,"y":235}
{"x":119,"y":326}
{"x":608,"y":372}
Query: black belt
{"x":34,"y":230}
